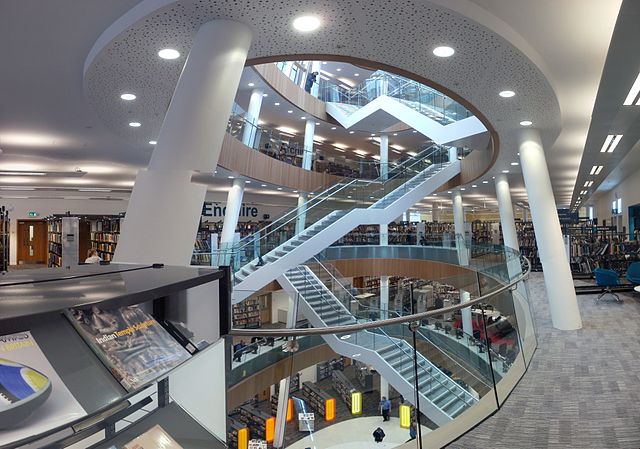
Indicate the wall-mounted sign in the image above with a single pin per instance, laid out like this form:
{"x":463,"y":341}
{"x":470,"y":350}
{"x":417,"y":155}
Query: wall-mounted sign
{"x":210,"y":209}
{"x":32,"y":214}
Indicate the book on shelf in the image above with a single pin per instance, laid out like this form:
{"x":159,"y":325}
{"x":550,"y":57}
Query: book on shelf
{"x":33,"y":397}
{"x":129,"y":341}
{"x":154,"y":438}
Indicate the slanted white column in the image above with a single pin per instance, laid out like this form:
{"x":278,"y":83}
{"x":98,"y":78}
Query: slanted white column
{"x":309,"y":133}
{"x":458,"y":224}
{"x":384,"y":156}
{"x":565,"y":314}
{"x":232,"y":213}
{"x":384,"y":388}
{"x":281,"y":412}
{"x":509,"y":234}
{"x":253,"y":114}
{"x":526,"y":214}
{"x":384,"y":234}
{"x":467,"y":323}
{"x":302,"y":213}
{"x":190,"y":140}
{"x":453,"y":154}
{"x":384,"y":297}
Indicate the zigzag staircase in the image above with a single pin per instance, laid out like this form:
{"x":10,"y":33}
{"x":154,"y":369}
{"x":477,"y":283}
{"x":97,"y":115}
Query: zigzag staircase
{"x":334,"y":213}
{"x":441,"y":398}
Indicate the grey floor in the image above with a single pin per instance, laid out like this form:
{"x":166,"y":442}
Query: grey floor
{"x":582,"y":389}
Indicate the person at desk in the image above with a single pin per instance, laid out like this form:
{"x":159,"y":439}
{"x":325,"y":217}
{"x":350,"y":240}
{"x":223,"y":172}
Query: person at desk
{"x":238,"y":350}
{"x":92,"y":256}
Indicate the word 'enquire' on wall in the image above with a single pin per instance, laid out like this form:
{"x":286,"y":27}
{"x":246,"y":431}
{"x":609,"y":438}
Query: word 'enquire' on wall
{"x":216,"y":210}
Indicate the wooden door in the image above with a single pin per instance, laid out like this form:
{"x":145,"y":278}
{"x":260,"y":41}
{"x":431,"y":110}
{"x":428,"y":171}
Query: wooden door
{"x":32,"y":242}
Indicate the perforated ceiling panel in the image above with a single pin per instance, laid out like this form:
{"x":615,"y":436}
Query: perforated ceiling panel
{"x":401,"y":33}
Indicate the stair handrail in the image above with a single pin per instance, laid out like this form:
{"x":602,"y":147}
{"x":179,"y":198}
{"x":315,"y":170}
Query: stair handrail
{"x":295,"y":213}
{"x":397,"y":314}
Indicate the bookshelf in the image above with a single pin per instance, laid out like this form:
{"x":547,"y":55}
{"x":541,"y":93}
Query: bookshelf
{"x":105,"y":232}
{"x":317,"y":397}
{"x":323,"y":370}
{"x":246,"y":314}
{"x":4,"y":238}
{"x":257,"y":421}
{"x":54,"y":235}
{"x":343,"y":386}
{"x":233,"y":427}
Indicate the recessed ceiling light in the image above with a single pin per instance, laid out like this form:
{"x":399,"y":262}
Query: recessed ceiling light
{"x":135,"y":124}
{"x":265,"y":95}
{"x":395,"y":134}
{"x":633,"y":94}
{"x":505,"y":171}
{"x":303,"y":117}
{"x":474,"y":185}
{"x":414,"y":131}
{"x":610,"y":143}
{"x":507,"y":93}
{"x":351,"y":132}
{"x":231,"y":177}
{"x":462,"y":188}
{"x":596,"y":169}
{"x":333,"y":127}
{"x":263,"y":185}
{"x":317,"y":123}
{"x":306,"y":24}
{"x":169,"y":53}
{"x":153,"y":142}
{"x":289,"y":111}
{"x":373,"y":134}
{"x":279,"y":188}
{"x":248,"y":182}
{"x":526,"y":123}
{"x":449,"y":191}
{"x":485,"y":182}
{"x":356,"y":74}
{"x":128,"y":97}
{"x":295,"y":191}
{"x":251,"y":84}
{"x":338,"y":69}
{"x":324,"y":62}
{"x":443,"y":52}
{"x":514,"y":164}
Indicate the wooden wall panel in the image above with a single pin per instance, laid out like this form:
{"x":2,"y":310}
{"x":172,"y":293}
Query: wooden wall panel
{"x":292,"y":92}
{"x":237,"y":157}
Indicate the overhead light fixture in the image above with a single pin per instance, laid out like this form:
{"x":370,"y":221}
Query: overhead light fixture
{"x":356,"y":74}
{"x":306,"y":24}
{"x":279,"y":188}
{"x":610,"y":143}
{"x":505,"y":171}
{"x":485,"y":182}
{"x":231,"y":177}
{"x":632,"y":97}
{"x":17,"y":188}
{"x":526,"y":123}
{"x":507,"y":94}
{"x":265,"y":95}
{"x":251,"y":84}
{"x":289,"y":111}
{"x":94,"y":189}
{"x":128,"y":97}
{"x":584,"y":192}
{"x":295,"y":191}
{"x":135,"y":124}
{"x":351,"y":132}
{"x":373,"y":134}
{"x":596,"y":169}
{"x":462,"y":188}
{"x":395,"y":134}
{"x":514,"y":163}
{"x":276,"y":104}
{"x":169,"y":53}
{"x":588,"y":183}
{"x":414,"y":131}
{"x":474,"y":185}
{"x":247,"y":182}
{"x":317,"y":123}
{"x":153,"y":142}
{"x":443,"y":51}
{"x":333,"y":128}
{"x":338,"y":69}
{"x":303,"y":118}
{"x":22,"y":173}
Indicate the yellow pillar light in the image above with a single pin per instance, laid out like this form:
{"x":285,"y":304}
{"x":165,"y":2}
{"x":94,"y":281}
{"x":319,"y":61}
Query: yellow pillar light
{"x":330,"y":409}
{"x":356,"y":403}
{"x":289,"y":410}
{"x":270,"y":429}
{"x":405,"y":416}
{"x":243,"y":438}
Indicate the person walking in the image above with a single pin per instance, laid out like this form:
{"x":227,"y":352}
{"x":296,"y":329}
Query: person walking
{"x":413,"y":431}
{"x":385,"y":408}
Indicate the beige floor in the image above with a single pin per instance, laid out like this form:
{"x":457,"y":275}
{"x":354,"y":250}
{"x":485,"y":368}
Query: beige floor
{"x":356,"y":434}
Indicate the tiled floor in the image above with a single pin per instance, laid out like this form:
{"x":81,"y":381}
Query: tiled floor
{"x":582,"y":389}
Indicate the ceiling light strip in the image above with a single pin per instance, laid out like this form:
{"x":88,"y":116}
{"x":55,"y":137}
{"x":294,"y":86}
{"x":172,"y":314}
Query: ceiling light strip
{"x":632,"y":97}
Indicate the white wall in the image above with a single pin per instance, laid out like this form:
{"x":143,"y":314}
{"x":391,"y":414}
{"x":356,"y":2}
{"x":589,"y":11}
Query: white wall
{"x":628,"y":190}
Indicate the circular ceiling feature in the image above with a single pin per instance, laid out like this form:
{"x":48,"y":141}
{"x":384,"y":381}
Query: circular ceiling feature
{"x":443,"y":51}
{"x":507,"y":94}
{"x":169,"y":53}
{"x":135,"y":124}
{"x":306,"y":24}
{"x":128,"y":97}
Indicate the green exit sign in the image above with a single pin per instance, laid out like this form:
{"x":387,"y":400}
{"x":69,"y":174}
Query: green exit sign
{"x":33,"y":214}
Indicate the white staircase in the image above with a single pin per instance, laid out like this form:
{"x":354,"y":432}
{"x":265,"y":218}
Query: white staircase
{"x":329,"y":228}
{"x":441,"y":398}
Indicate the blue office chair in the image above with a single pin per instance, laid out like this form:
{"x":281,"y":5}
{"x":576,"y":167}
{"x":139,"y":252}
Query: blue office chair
{"x":633,"y":273}
{"x":606,"y":278}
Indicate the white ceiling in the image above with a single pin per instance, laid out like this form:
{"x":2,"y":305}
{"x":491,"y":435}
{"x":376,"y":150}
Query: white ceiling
{"x":553,"y":62}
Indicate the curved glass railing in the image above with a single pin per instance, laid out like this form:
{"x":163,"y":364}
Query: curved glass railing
{"x":424,"y":99}
{"x":328,"y":205}
{"x":462,"y":356}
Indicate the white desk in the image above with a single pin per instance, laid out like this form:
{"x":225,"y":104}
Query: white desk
{"x":636,"y":289}
{"x":364,"y":296}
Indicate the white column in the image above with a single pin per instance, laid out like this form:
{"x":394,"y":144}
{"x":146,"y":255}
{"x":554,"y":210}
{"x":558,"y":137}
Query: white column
{"x":302,"y":213}
{"x":453,"y":154}
{"x":526,"y":215}
{"x":315,"y":89}
{"x":253,"y":114}
{"x":467,"y":323}
{"x":563,"y":305}
{"x":384,"y":297}
{"x":309,"y":132}
{"x":384,"y":156}
{"x":190,"y":140}
{"x":232,"y":213}
{"x":281,"y":412}
{"x":384,"y":234}
{"x":458,"y":224}
{"x":384,"y":388}
{"x":505,"y":208}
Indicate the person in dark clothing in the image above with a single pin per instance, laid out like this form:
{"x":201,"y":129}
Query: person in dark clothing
{"x":385,"y":408}
{"x":311,"y":78}
{"x":378,"y":435}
